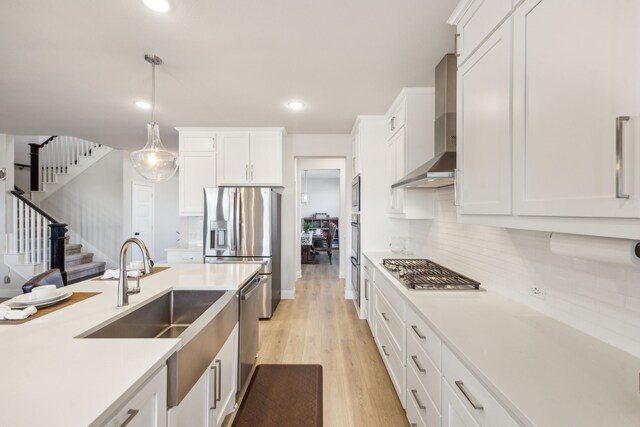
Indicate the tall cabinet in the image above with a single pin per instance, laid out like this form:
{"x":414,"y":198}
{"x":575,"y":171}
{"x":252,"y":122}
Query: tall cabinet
{"x":197,"y":161}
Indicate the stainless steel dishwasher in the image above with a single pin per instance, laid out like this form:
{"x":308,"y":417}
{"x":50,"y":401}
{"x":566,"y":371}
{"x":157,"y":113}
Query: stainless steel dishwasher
{"x":248,"y":340}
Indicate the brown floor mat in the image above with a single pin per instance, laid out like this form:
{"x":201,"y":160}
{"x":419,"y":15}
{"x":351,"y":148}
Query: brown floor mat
{"x":282,"y":396}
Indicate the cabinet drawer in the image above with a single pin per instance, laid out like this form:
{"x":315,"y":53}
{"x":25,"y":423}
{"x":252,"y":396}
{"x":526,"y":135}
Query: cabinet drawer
{"x":424,"y":370}
{"x":424,"y":335}
{"x":394,"y":364}
{"x":198,"y":142}
{"x":369,"y":270}
{"x":482,"y":17}
{"x":391,"y":322}
{"x":181,"y":257}
{"x":396,"y":301}
{"x":419,"y":399}
{"x":487,"y":411}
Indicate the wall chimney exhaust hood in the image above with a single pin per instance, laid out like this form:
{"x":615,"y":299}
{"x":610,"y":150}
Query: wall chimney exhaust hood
{"x":439,"y":171}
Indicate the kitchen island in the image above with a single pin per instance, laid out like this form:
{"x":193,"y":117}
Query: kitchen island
{"x":53,"y":378}
{"x":523,"y":366}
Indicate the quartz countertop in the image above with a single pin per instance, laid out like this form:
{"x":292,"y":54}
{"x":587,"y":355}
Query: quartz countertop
{"x":51,"y":378}
{"x":544,"y":372}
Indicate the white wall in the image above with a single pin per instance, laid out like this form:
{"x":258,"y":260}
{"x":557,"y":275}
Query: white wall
{"x":91,"y":205}
{"x":324,"y":196}
{"x":22,"y":178}
{"x":300,"y":146}
{"x":600,"y":299}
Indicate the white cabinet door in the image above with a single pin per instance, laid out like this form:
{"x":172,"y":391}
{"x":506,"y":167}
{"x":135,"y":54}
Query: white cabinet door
{"x":477,"y":23}
{"x":576,"y":68}
{"x":454,"y":414}
{"x":265,"y":167}
{"x":233,"y":158}
{"x":148,"y":406}
{"x":198,"y":141}
{"x":223,"y":380}
{"x":197,"y":171}
{"x":484,"y":127}
{"x":192,"y":410}
{"x":395,"y":161}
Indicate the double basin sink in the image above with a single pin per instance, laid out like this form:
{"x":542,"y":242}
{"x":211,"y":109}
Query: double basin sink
{"x":202,"y":319}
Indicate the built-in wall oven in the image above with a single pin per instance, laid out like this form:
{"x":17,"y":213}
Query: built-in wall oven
{"x":355,"y":194}
{"x":355,"y":256}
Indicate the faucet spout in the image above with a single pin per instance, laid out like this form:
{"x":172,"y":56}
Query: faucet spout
{"x":123,"y":282}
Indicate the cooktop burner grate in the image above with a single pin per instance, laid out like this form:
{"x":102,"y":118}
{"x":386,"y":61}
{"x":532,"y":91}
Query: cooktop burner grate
{"x":426,"y":274}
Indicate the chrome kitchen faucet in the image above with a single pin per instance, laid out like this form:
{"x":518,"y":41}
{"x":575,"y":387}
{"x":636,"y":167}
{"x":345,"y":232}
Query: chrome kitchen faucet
{"x":123,"y":281}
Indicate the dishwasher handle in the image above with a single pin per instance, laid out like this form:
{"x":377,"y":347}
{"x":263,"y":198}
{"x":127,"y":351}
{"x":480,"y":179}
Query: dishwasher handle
{"x":247,"y":291}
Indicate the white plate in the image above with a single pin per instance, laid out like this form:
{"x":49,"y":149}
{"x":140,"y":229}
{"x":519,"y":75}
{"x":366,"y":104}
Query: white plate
{"x":26,"y":300}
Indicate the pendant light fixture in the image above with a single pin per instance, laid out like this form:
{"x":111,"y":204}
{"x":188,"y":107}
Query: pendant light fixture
{"x":304,"y":197}
{"x":154,"y":162}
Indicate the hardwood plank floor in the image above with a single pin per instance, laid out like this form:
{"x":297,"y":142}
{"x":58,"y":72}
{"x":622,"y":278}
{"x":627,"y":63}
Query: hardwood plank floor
{"x":320,"y":326}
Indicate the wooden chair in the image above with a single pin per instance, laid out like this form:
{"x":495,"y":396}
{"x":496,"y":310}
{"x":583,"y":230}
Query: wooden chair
{"x":325,"y":245}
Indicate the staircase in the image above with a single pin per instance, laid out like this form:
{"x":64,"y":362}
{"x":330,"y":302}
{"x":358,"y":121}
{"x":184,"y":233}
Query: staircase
{"x":80,"y":265}
{"x":29,"y":252}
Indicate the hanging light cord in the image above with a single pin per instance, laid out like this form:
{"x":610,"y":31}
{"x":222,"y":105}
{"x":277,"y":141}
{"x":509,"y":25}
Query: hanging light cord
{"x":153,"y":92}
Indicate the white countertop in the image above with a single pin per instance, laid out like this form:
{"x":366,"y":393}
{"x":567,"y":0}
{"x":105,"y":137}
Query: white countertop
{"x":543,"y":371}
{"x":50,"y":378}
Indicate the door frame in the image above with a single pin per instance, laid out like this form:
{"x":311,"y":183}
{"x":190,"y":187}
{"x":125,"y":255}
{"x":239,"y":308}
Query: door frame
{"x":151,"y":247}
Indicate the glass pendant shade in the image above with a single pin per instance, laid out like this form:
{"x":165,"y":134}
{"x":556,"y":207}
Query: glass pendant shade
{"x":154,"y":162}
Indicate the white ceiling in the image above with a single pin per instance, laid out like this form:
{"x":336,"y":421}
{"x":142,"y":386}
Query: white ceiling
{"x":75,"y":67}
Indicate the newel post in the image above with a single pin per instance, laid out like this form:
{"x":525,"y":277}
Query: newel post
{"x":34,"y":153}
{"x":58,"y":237}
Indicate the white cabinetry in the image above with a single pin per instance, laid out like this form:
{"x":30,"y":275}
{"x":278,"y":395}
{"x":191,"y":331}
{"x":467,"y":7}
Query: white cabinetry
{"x":183,"y":256}
{"x":197,"y":162}
{"x":410,"y":127}
{"x":454,"y":413}
{"x":475,"y":20}
{"x":212,"y":398}
{"x":368,"y":291}
{"x":147,"y":407}
{"x":484,"y":127}
{"x":250,"y":158}
{"x":576,"y":68}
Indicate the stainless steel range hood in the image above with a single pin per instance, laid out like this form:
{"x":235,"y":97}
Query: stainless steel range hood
{"x":439,"y":171}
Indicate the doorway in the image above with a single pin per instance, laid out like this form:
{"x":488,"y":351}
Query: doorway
{"x":321,"y":219}
{"x":142,"y":217}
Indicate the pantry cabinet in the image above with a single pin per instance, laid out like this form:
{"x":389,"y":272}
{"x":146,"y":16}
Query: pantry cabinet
{"x":252,"y":158}
{"x":197,"y":170}
{"x":577,"y":108}
{"x":484,"y":128}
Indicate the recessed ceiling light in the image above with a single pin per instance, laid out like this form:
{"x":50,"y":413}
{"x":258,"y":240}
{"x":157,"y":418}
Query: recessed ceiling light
{"x":143,"y":105}
{"x":295,"y":105}
{"x":162,"y":6}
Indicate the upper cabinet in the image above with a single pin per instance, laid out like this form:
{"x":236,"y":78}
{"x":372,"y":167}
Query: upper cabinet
{"x":250,"y":158}
{"x":484,"y":127}
{"x":410,"y":131}
{"x":197,"y":170}
{"x":577,"y":108}
{"x":549,"y":115}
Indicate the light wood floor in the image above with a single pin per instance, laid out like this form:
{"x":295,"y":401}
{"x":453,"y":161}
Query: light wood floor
{"x":320,"y":326}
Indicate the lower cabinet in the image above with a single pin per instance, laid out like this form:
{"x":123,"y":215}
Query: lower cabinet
{"x":212,"y":398}
{"x":147,"y":407}
{"x":454,"y":413}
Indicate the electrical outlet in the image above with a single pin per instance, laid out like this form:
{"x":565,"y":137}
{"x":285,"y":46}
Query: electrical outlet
{"x":537,"y":292}
{"x":7,"y":280}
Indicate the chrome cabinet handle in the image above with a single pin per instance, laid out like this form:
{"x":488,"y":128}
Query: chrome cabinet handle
{"x":246,"y":172}
{"x":393,"y":123}
{"x":366,"y":293}
{"x":384,"y":350}
{"x":455,"y":44}
{"x":215,"y":387}
{"x":418,"y":365}
{"x":384,"y":316}
{"x":417,"y":399}
{"x":414,"y":425}
{"x":619,"y":157}
{"x":456,"y":202}
{"x":213,"y":142}
{"x":417,"y":331}
{"x":132,"y":414}
{"x":251,"y":171}
{"x":218,"y":398}
{"x":476,"y":405}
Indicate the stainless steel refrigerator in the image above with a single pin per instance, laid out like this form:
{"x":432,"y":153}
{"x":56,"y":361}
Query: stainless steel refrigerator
{"x":242,"y":224}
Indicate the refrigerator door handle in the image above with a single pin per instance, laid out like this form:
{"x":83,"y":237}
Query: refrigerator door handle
{"x":238,"y":220}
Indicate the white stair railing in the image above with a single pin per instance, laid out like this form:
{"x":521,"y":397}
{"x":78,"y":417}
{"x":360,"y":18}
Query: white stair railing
{"x":31,"y":233}
{"x":61,"y":152}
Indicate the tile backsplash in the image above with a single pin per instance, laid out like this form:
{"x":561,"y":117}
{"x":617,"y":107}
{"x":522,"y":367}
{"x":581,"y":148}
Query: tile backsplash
{"x":191,"y":231}
{"x":598,"y":298}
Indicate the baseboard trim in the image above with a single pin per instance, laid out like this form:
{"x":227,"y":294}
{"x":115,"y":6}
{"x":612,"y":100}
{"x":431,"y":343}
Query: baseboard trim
{"x":288,"y":294}
{"x":349,"y":294}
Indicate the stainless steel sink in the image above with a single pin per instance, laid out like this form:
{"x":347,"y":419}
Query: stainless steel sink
{"x":202,"y":319}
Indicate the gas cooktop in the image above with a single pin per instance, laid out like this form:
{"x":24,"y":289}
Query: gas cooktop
{"x":425,"y":274}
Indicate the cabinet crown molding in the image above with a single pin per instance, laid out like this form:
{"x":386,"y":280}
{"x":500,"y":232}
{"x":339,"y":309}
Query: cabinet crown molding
{"x":230,"y":129}
{"x":459,"y":12}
